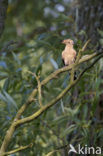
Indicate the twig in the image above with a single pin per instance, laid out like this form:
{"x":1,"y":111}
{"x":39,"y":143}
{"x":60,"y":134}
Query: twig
{"x":18,"y":149}
{"x":95,"y":61}
{"x":57,"y":149}
{"x":77,"y":60}
{"x":51,"y":153}
{"x":80,"y":52}
{"x":85,"y":45}
{"x":39,"y":87}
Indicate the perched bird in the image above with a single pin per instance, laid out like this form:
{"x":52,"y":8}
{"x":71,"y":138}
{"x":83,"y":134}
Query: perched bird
{"x":68,"y":54}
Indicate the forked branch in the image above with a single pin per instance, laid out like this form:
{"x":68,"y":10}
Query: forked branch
{"x":17,"y":121}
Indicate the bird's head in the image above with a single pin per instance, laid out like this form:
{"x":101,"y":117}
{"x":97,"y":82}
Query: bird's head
{"x":68,"y":42}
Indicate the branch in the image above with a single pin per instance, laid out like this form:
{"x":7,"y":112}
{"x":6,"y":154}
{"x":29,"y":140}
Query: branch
{"x":57,"y":149}
{"x":95,"y":61}
{"x":17,"y":122}
{"x":50,"y":77}
{"x":85,"y":45}
{"x":77,"y":60}
{"x":55,"y":100}
{"x":51,"y":153}
{"x":39,"y":87}
{"x":18,"y":149}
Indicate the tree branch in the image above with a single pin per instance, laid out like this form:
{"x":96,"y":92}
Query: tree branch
{"x":18,"y":149}
{"x":77,"y":61}
{"x":17,"y":122}
{"x":50,"y":77}
{"x":57,"y":149}
{"x":55,"y":100}
{"x":39,"y":87}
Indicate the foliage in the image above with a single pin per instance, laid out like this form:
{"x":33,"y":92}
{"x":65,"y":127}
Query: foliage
{"x":32,"y":42}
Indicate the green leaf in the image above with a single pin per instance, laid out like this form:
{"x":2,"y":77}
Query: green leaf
{"x":60,"y":119}
{"x":16,"y":58}
{"x":3,"y":98}
{"x":101,"y":41}
{"x":100,"y":32}
{"x":68,"y":130}
{"x":10,"y":99}
{"x":39,"y":69}
{"x":54,"y":63}
{"x":6,"y":84}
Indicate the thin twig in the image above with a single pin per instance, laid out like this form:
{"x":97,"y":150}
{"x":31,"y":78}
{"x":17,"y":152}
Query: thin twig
{"x":77,"y":61}
{"x":57,"y":149}
{"x":95,"y":61}
{"x":85,"y":45}
{"x":39,"y":87}
{"x":51,"y":153}
{"x":18,"y":149}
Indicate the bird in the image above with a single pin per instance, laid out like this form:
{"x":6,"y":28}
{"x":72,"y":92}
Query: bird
{"x":69,"y":53}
